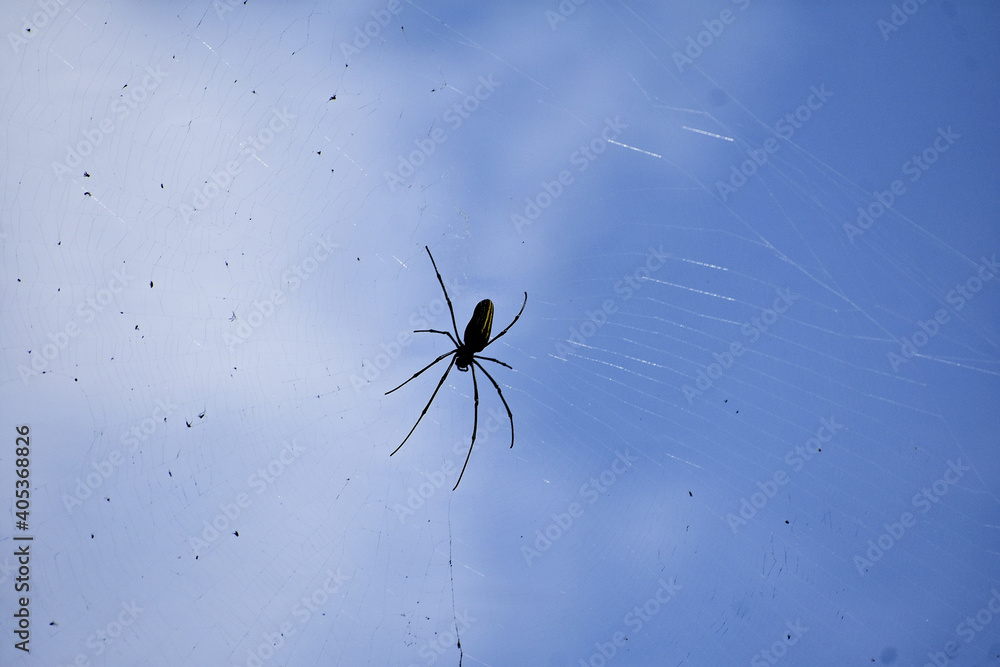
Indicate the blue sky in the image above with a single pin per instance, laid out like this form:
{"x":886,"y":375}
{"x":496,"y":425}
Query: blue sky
{"x":751,"y":386}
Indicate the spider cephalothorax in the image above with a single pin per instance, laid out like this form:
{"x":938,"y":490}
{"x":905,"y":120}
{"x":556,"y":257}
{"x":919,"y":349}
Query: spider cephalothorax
{"x":465,"y":356}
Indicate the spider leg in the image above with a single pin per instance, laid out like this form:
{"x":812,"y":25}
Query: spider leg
{"x":512,"y":323}
{"x":443,"y":377}
{"x":496,"y":361}
{"x":422,"y":370}
{"x":446,"y":333}
{"x":446,"y":298}
{"x":475,"y":426}
{"x":499,"y":393}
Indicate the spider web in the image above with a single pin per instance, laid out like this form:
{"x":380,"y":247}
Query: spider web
{"x":750,"y":386}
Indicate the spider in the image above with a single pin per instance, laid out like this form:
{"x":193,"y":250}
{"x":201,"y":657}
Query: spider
{"x":465,"y":356}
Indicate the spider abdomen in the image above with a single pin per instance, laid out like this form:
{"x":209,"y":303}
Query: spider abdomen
{"x":477,"y":333}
